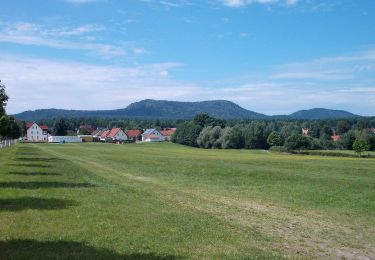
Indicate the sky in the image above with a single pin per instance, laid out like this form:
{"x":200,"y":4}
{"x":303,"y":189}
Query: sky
{"x":269,"y":56}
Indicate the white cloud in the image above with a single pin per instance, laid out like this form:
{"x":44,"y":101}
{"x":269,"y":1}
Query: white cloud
{"x":240,"y":3}
{"x":38,"y":83}
{"x":329,"y":68}
{"x":61,"y":38}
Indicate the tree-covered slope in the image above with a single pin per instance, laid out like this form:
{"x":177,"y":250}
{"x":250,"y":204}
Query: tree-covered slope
{"x":321,"y":113}
{"x":163,"y":109}
{"x":152,"y":109}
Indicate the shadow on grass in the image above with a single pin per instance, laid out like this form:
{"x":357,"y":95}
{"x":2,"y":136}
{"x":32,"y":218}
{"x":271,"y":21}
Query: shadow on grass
{"x":32,"y":249}
{"x":34,"y":173}
{"x":34,"y":203}
{"x":42,"y":185}
{"x":27,"y":154}
{"x":37,"y":159}
{"x":31,"y":165}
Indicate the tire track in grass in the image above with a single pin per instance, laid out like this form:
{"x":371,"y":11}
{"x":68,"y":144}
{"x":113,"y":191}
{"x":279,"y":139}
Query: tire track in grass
{"x":305,"y":233}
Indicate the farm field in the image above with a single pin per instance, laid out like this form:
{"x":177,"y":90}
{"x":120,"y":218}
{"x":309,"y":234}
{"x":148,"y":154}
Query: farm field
{"x":166,"y":201}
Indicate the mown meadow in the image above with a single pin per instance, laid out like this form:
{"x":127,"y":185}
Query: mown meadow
{"x":167,"y":201}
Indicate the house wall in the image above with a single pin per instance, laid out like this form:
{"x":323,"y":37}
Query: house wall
{"x":121,"y":136}
{"x":145,"y":138}
{"x":66,"y":139}
{"x":36,"y":134}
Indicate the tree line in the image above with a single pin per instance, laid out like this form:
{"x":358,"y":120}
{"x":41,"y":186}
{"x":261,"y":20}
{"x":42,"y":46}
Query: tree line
{"x":208,"y":132}
{"x":9,"y":127}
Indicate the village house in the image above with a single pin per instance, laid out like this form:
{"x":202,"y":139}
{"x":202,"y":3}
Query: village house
{"x":336,"y":138}
{"x":152,"y":135}
{"x":103,"y":136}
{"x":373,"y":130}
{"x":117,"y":135}
{"x":97,"y":133}
{"x":167,"y":133}
{"x":85,"y":129}
{"x":305,"y":131}
{"x":134,"y":135}
{"x":36,"y":133}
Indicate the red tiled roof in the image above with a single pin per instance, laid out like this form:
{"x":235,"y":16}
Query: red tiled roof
{"x":168,"y":131}
{"x":30,"y":124}
{"x":88,"y":128}
{"x":104,"y":134}
{"x":336,"y":138}
{"x":133,"y":133}
{"x":113,"y":132}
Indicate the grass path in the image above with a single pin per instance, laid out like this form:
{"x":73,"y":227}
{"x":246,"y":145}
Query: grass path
{"x":168,"y":201}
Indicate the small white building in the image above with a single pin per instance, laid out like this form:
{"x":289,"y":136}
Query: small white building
{"x":152,"y":135}
{"x":64,"y":139}
{"x":36,"y":133}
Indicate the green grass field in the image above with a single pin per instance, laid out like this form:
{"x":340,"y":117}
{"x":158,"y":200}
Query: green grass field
{"x":165,"y":201}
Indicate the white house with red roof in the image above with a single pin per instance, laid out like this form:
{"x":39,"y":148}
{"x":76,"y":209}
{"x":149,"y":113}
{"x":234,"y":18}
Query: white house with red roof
{"x":116,"y":134}
{"x":152,"y":135}
{"x":103,"y":136}
{"x":134,"y":134}
{"x":36,"y":133}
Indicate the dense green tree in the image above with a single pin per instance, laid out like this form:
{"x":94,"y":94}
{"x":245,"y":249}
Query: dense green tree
{"x":255,"y":135}
{"x":326,"y":132}
{"x":4,"y":126}
{"x":343,"y":127}
{"x":289,"y":129}
{"x":348,"y":139}
{"x":360,"y":146}
{"x":3,"y":99}
{"x":203,"y":139}
{"x":274,"y":139}
{"x":362,"y":124}
{"x":187,"y":134}
{"x":60,"y":127}
{"x":297,"y":142}
{"x":232,"y":137}
{"x":206,"y":120}
{"x":210,"y":137}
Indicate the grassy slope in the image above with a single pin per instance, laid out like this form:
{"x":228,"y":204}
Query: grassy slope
{"x":167,"y":201}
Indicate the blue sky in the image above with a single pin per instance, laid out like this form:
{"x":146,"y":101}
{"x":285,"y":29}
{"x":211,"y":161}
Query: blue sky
{"x":270,"y":56}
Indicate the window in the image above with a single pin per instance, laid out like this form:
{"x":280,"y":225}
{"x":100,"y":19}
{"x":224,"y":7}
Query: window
{"x":31,"y":132}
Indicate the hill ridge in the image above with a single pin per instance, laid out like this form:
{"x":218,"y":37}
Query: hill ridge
{"x":164,"y":109}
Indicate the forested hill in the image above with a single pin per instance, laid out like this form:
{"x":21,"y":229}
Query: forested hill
{"x":162,"y":109}
{"x":321,"y":113}
{"x":150,"y":109}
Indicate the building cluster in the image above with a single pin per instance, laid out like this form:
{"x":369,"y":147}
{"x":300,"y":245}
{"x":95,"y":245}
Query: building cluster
{"x":335,"y":137}
{"x":36,"y":133}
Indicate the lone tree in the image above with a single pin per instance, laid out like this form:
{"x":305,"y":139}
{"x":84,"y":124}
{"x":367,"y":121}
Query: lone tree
{"x":360,"y":146}
{"x":274,"y":139}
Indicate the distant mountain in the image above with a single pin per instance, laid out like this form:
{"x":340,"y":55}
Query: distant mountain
{"x":151,"y":109}
{"x":321,"y":113}
{"x":162,"y":109}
